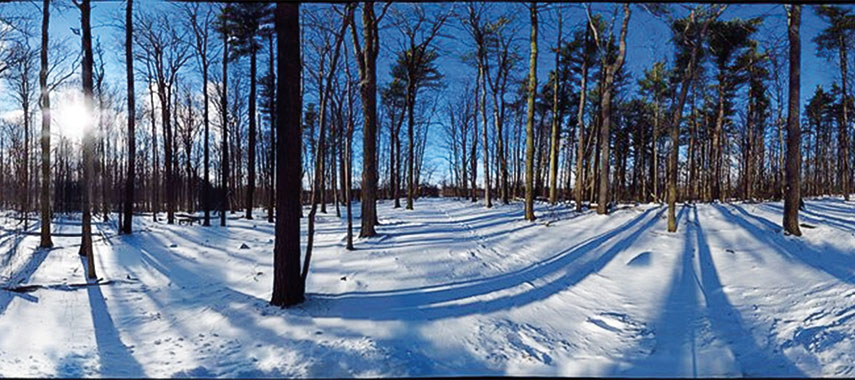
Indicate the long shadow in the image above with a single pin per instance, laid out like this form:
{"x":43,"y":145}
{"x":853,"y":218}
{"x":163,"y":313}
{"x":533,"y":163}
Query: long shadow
{"x":727,"y":320}
{"x":673,"y":327}
{"x":438,"y":301}
{"x":242,"y":310}
{"x":814,"y":217}
{"x":839,"y":265}
{"x":24,"y":274}
{"x":115,"y":358}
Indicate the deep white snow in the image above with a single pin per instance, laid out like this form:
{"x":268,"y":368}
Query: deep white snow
{"x":451,"y":288}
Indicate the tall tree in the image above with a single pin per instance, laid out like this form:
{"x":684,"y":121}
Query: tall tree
{"x":288,"y":285}
{"x":554,"y":141}
{"x":88,"y":139}
{"x":46,"y":241}
{"x":838,"y":36}
{"x":246,"y":23}
{"x":367,"y":63}
{"x":793,"y":171}
{"x":417,"y":61}
{"x":610,"y":69}
{"x":580,"y":120}
{"x":692,"y":42}
{"x":130,"y":180}
{"x":199,"y":24}
{"x":529,"y":124}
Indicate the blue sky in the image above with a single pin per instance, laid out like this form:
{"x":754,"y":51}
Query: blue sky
{"x":648,"y":41}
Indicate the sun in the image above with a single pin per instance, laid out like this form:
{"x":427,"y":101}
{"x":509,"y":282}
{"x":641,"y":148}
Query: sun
{"x":70,"y":115}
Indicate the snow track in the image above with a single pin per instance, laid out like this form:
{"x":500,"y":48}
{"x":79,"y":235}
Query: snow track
{"x":450,"y":288}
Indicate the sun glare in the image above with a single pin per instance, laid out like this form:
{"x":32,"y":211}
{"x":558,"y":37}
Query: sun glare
{"x":70,"y":115}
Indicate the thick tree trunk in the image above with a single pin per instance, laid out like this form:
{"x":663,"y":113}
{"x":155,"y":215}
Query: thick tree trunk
{"x":45,"y":105}
{"x":529,"y":125}
{"x":792,"y":197}
{"x":288,"y":285}
{"x":368,"y":93}
{"x":206,"y":189}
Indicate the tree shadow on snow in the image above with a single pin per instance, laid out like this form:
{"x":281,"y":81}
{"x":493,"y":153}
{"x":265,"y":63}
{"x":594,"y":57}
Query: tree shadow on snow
{"x":676,"y":327}
{"x":829,"y":260}
{"x":115,"y":358}
{"x":35,"y":261}
{"x":543,"y":279}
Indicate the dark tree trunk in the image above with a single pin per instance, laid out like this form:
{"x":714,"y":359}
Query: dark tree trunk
{"x":130,"y":181}
{"x":88,"y":142}
{"x":45,"y":105}
{"x":224,"y":200}
{"x":792,"y":197}
{"x":288,"y":285}
{"x":250,"y":191}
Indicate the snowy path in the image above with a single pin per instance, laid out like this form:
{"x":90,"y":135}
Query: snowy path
{"x":448,"y":289}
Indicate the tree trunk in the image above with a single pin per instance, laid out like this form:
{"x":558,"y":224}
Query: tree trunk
{"x":556,"y":125}
{"x":792,"y":197}
{"x":368,"y":92}
{"x":606,"y":114}
{"x":580,"y":121}
{"x":88,"y":142}
{"x":224,"y":200}
{"x":288,"y":285}
{"x":250,"y":191}
{"x":488,"y":202}
{"x":529,"y":126}
{"x":411,"y":103}
{"x":45,"y":105}
{"x":130,"y":181}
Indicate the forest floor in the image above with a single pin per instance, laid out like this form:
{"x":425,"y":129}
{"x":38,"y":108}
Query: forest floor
{"x":449,"y":289}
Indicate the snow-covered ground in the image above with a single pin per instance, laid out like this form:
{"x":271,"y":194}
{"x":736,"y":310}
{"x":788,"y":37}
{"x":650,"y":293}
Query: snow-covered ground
{"x":448,"y":289}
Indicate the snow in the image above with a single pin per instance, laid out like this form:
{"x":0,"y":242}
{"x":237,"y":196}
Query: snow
{"x":449,"y":289}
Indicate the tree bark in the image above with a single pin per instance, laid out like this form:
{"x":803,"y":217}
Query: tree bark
{"x":88,"y":140}
{"x":580,"y":121}
{"x":556,"y":124}
{"x":130,"y":181}
{"x":46,"y":241}
{"x":792,"y":196}
{"x":250,"y":191}
{"x":288,"y":285}
{"x":529,"y":126}
{"x":224,"y":200}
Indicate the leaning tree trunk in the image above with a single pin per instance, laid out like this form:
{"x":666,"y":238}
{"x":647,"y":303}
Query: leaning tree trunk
{"x":45,"y":105}
{"x":130,"y":181}
{"x":88,"y":141}
{"x":288,"y":286}
{"x":529,"y":124}
{"x":792,"y":196}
